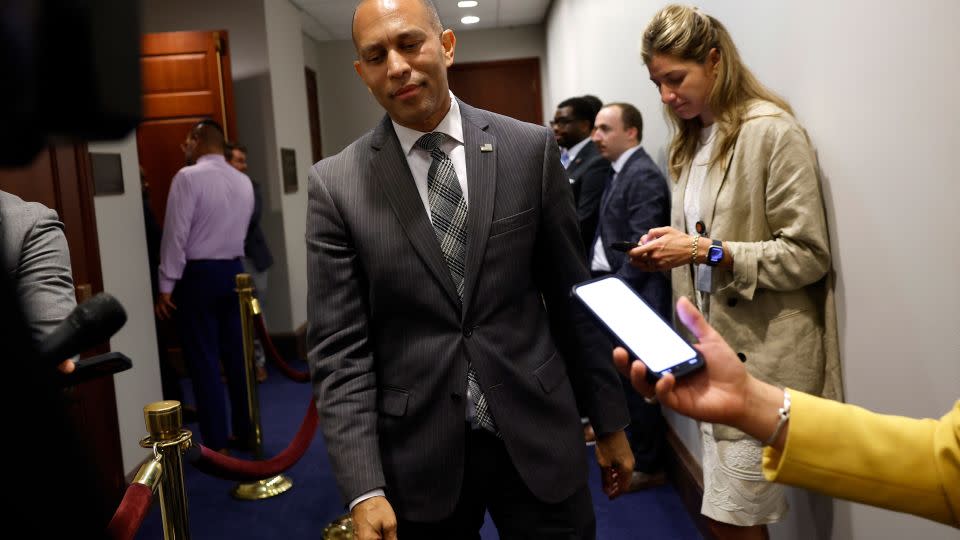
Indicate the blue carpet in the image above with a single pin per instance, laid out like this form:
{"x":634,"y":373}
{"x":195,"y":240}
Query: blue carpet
{"x":313,"y":502}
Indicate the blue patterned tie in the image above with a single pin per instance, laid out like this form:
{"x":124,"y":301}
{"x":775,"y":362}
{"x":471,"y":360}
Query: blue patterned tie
{"x":448,"y":212}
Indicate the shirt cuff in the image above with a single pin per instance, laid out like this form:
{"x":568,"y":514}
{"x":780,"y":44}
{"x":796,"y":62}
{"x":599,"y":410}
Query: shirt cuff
{"x":367,"y":495}
{"x":166,"y":285}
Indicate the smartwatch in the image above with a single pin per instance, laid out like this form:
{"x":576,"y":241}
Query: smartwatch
{"x":715,"y":253}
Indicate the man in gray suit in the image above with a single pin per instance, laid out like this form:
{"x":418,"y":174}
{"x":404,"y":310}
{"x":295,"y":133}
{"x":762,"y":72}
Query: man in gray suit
{"x":443,"y":341}
{"x":37,"y":259}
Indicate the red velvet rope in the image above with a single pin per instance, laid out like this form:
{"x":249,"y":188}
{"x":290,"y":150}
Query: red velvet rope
{"x":129,"y":516}
{"x":293,"y":374}
{"x":242,"y":470}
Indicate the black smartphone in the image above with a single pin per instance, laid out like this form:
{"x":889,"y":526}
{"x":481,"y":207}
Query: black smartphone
{"x":638,"y":327}
{"x":623,"y":246}
{"x":97,"y":366}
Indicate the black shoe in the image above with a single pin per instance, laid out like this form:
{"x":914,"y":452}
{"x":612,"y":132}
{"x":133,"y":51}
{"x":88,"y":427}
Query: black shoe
{"x":641,"y":480}
{"x":241,"y":445}
{"x":188,"y":413}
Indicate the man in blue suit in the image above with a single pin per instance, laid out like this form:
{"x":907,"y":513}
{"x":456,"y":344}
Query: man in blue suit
{"x":635,"y":199}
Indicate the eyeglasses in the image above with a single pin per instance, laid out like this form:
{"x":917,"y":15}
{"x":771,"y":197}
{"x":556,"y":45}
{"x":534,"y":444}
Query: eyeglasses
{"x":562,"y":121}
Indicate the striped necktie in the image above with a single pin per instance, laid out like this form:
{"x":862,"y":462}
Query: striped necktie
{"x":448,"y":212}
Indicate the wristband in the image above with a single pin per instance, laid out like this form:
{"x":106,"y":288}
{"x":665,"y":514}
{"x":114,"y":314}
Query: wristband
{"x":695,"y":248}
{"x":784,"y":414}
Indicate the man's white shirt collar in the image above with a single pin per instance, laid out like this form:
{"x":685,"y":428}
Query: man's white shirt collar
{"x":575,"y":149}
{"x":452,"y":125}
{"x":622,"y":160}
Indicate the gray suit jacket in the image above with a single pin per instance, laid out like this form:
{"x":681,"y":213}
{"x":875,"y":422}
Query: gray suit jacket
{"x":37,"y":258}
{"x":389,"y":340}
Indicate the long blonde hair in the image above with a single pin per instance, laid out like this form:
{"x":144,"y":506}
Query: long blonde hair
{"x":688,"y":34}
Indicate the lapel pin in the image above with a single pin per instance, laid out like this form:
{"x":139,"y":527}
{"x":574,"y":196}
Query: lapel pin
{"x":486,"y":147}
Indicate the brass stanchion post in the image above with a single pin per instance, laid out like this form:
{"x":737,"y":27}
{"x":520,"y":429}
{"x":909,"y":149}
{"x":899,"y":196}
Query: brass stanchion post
{"x":168,"y":440}
{"x":250,"y":307}
{"x":339,"y":529}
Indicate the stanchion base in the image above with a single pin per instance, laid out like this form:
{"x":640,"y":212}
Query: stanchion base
{"x":262,"y":489}
{"x":339,"y":529}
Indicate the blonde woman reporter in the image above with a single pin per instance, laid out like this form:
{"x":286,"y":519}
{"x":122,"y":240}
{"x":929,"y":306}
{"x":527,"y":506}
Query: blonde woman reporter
{"x":748,"y":241}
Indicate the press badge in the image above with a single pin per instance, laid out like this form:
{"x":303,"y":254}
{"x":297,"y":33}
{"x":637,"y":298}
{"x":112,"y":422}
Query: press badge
{"x":704,"y":278}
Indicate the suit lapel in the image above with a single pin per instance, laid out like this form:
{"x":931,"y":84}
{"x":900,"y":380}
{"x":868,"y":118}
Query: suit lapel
{"x":391,"y":171}
{"x":612,"y":185}
{"x":583,"y":156}
{"x":482,"y":185}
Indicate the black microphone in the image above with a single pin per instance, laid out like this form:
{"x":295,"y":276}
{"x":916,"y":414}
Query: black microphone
{"x":89,"y":324}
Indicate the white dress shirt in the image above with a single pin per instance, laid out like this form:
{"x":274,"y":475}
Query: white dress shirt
{"x":575,"y":149}
{"x":419,"y":159}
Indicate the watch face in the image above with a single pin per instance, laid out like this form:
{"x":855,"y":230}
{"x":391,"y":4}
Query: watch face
{"x":715,"y":254}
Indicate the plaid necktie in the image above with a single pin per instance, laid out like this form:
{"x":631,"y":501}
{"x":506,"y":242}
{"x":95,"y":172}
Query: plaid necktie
{"x":448,"y":212}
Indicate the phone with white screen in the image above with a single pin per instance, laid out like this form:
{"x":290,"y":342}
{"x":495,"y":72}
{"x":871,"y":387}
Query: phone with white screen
{"x":638,"y":327}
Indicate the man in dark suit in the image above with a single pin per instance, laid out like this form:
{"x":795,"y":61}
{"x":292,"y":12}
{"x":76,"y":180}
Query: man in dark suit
{"x":588,"y":171}
{"x":443,"y":341}
{"x":636,"y":199}
{"x":257,"y":258}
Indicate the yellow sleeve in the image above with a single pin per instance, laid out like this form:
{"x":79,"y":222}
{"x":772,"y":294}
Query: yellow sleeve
{"x":892,"y":462}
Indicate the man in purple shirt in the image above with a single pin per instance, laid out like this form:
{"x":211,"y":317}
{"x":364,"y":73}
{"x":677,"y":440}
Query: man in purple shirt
{"x":208,"y":210}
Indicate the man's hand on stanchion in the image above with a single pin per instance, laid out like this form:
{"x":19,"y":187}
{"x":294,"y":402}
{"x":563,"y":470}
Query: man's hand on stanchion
{"x":374,"y":519}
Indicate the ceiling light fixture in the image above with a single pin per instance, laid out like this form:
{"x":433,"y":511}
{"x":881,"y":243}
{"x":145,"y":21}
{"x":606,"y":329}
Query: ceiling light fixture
{"x":467,"y":3}
{"x":470,"y":19}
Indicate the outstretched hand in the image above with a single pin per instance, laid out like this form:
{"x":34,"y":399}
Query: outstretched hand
{"x":716,"y":393}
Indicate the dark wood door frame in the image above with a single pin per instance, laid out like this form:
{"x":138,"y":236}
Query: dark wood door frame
{"x":313,"y":111}
{"x":475,"y":94}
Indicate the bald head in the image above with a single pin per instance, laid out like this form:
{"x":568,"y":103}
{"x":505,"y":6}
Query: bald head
{"x":427,"y":5}
{"x":210,"y":135}
{"x":206,"y":137}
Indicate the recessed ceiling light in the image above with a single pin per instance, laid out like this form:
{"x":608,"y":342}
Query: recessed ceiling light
{"x":467,"y":3}
{"x":470,"y":19}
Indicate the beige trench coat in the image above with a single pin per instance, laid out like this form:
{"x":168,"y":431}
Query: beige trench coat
{"x":775,"y":306}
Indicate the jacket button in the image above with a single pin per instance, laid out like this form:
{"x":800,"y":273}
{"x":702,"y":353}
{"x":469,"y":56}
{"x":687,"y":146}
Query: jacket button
{"x":467,"y":332}
{"x":742,"y":357}
{"x":732,"y":302}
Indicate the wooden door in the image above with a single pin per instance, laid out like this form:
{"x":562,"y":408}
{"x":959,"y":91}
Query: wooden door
{"x":185,"y":78}
{"x":60,"y":178}
{"x":313,"y":111}
{"x":508,"y":87}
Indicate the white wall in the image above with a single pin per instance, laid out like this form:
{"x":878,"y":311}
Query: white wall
{"x":126,"y":275}
{"x":347,"y":109}
{"x":292,"y":130}
{"x":875,"y":84}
